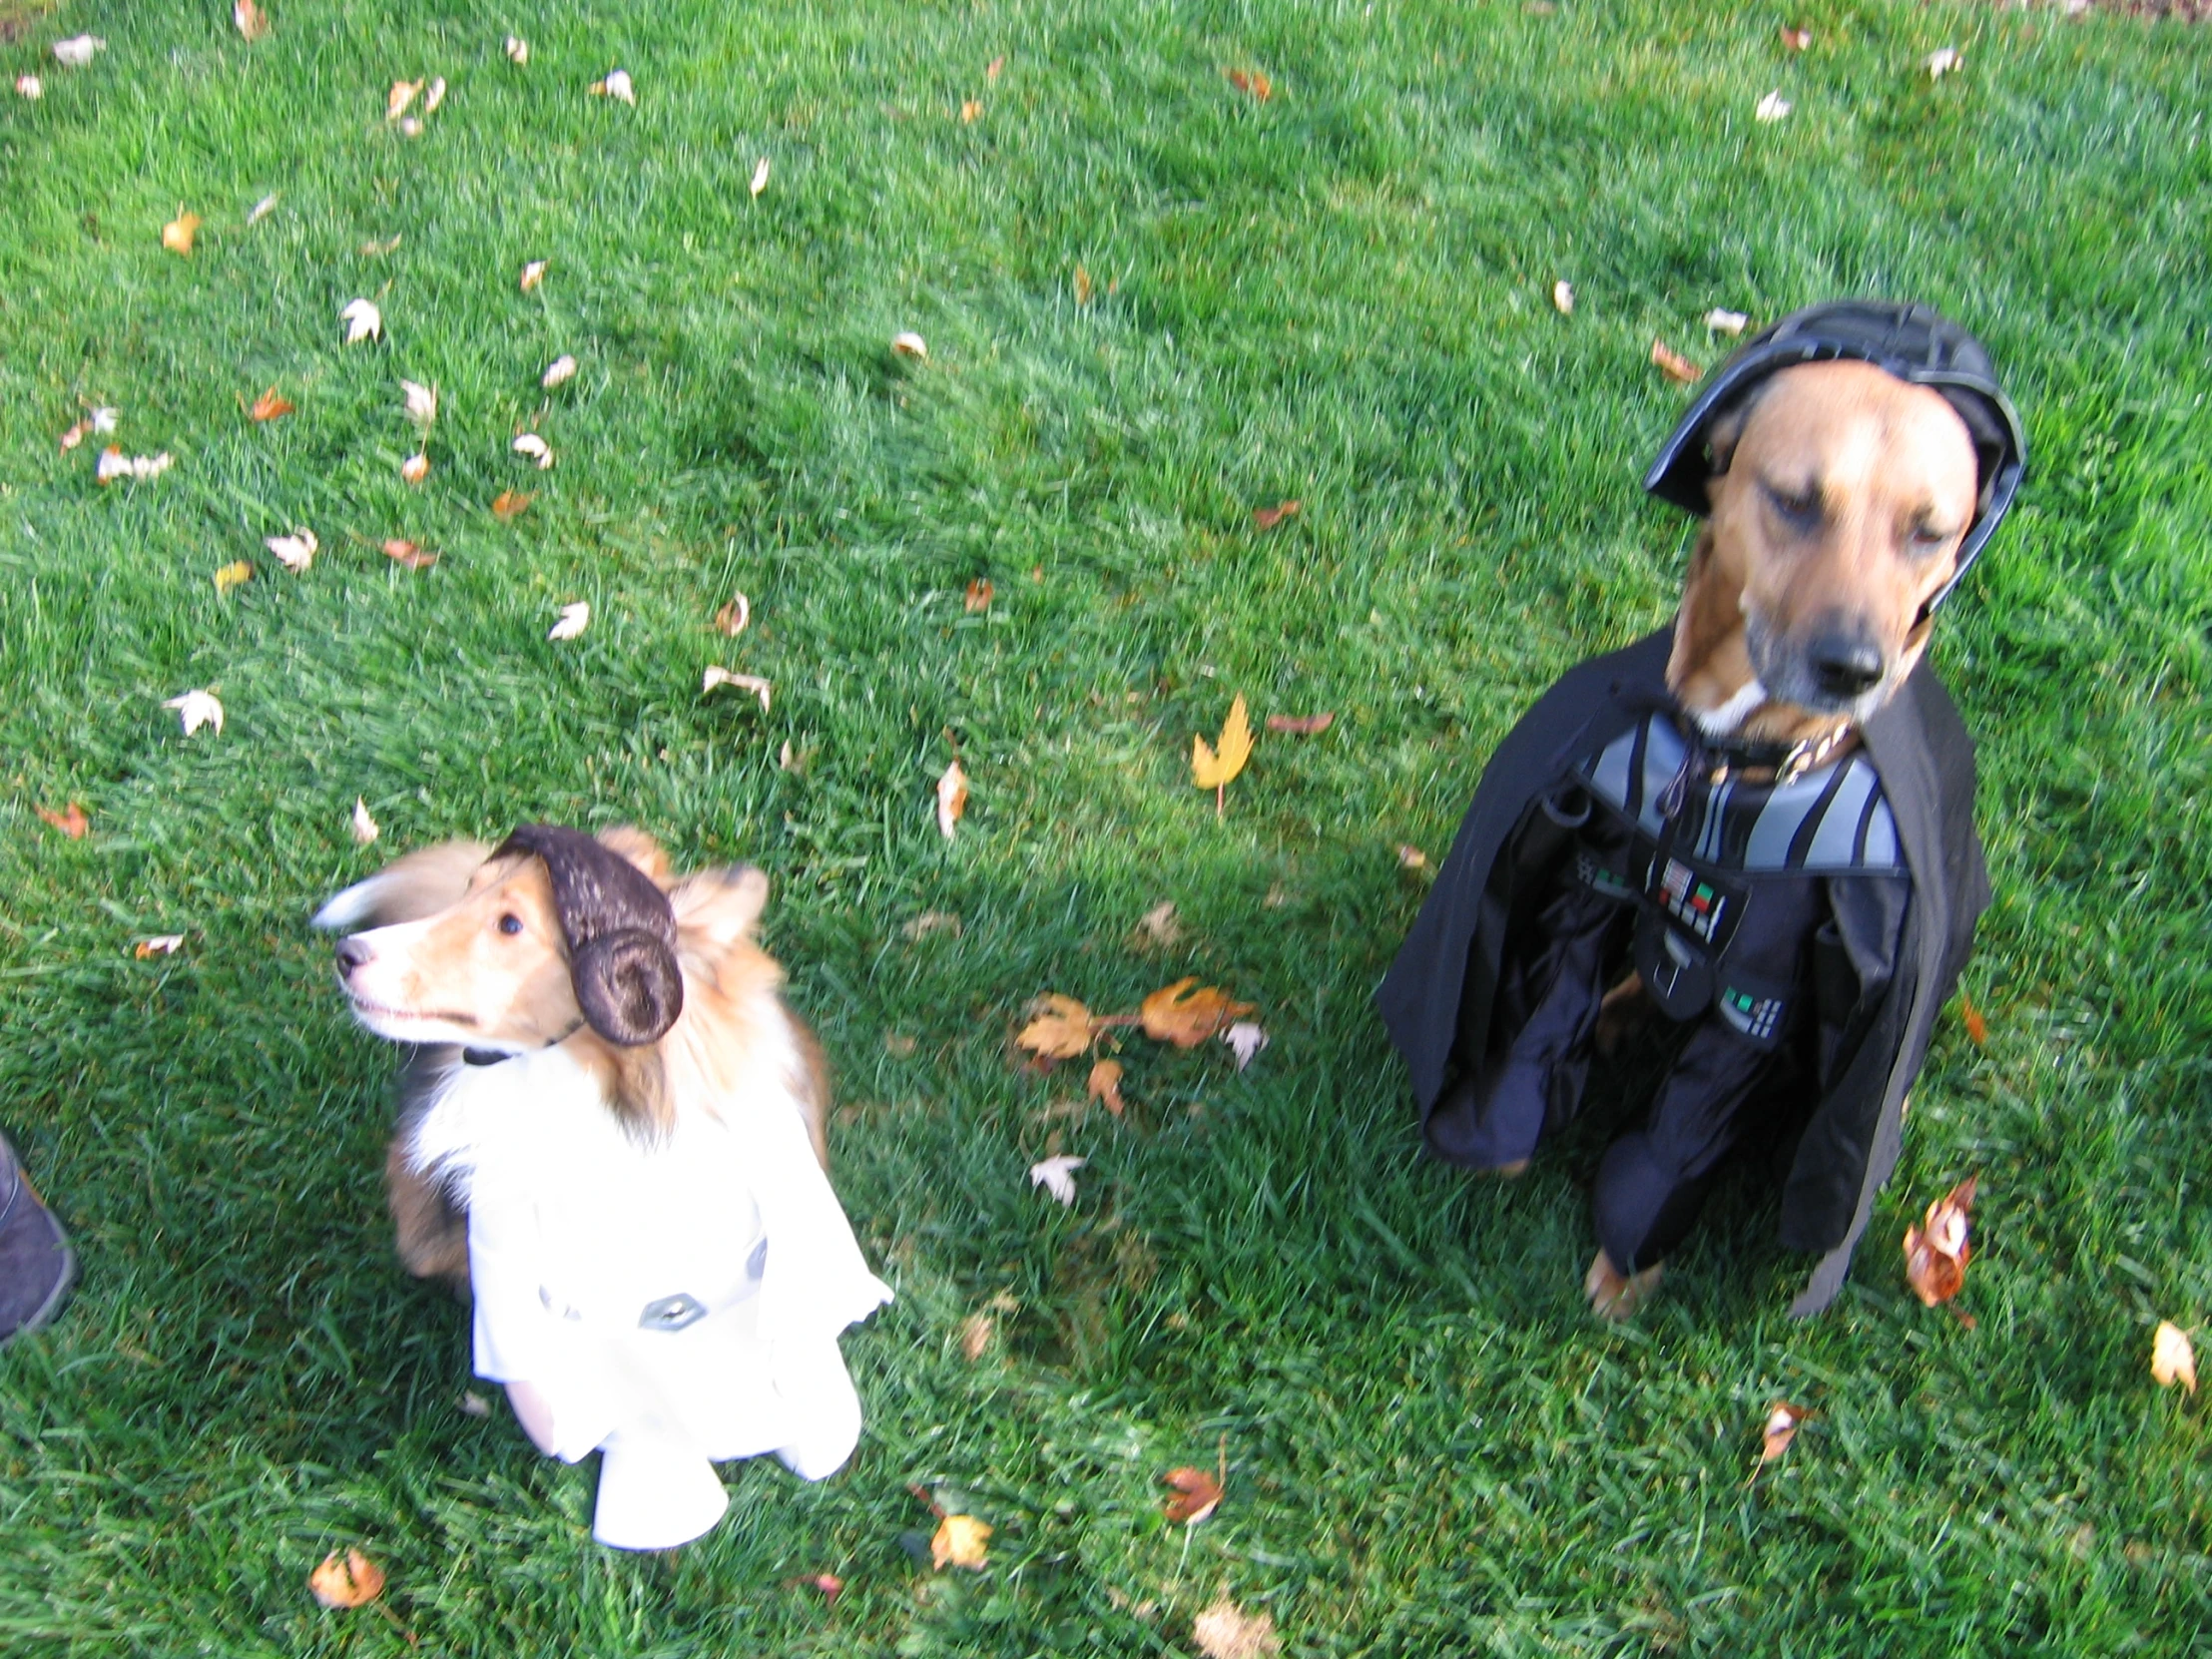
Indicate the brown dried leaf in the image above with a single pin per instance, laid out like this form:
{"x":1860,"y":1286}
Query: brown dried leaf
{"x":1158,"y":928}
{"x":177,"y":234}
{"x":1060,"y":1028}
{"x":1267,"y":518}
{"x":979,"y":595}
{"x":1227,"y":1631}
{"x":71,"y":823}
{"x":1252,"y":82}
{"x":1082,"y":286}
{"x":1412,"y":858}
{"x":1673,"y":364}
{"x":509,"y":505}
{"x":991,"y":73}
{"x":932,"y":922}
{"x":952,"y":792}
{"x":269,"y":406}
{"x":1186,"y":1018}
{"x":1301,"y":726}
{"x":962,"y":1541}
{"x":976,"y":1336}
{"x":1977,"y":1028}
{"x":1938,"y":1251}
{"x":1197,"y":1496}
{"x":1796,"y":40}
{"x":348,"y":1580}
{"x":1782,"y":1421}
{"x":2172,"y":1359}
{"x":1105,"y":1086}
{"x":408,"y":554}
{"x":972,"y":110}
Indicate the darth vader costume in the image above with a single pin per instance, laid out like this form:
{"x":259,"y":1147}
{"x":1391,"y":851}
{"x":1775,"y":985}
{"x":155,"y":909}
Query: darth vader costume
{"x":1800,"y":913}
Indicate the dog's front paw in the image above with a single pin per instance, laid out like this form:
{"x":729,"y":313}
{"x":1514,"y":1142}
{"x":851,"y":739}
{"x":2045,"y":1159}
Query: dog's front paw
{"x":1614,"y":1294}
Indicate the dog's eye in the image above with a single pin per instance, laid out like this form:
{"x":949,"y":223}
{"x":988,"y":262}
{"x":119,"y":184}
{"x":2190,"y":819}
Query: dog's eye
{"x":1926,"y":538}
{"x":1802,"y":507}
{"x":510,"y":923}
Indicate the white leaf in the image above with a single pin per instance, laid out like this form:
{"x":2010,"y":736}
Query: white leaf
{"x":114,"y":464}
{"x":1942,"y":62}
{"x":363,"y":322}
{"x":752,"y":683}
{"x":1057,"y":1176}
{"x":1726,"y":323}
{"x":558,"y":372}
{"x":532,"y":274}
{"x":910,"y":344}
{"x":196,"y":708}
{"x":410,"y":127}
{"x":616,"y":85}
{"x":535,"y":448}
{"x":434,"y":95}
{"x":518,"y":49}
{"x":759,"y":173}
{"x":1247,"y":1039}
{"x":574,"y":619}
{"x":78,"y":50}
{"x":296,"y":551}
{"x":364,"y":826}
{"x":103,"y":420}
{"x":161,"y":944}
{"x":952,"y":792}
{"x":263,"y":209}
{"x":422,"y":403}
{"x":28,"y":85}
{"x":1562,"y":297}
{"x":1773,"y":107}
{"x":403,"y":94}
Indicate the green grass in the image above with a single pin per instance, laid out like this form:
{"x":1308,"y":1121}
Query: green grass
{"x":1341,"y":295}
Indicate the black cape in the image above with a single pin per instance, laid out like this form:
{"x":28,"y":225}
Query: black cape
{"x":1920,"y":749}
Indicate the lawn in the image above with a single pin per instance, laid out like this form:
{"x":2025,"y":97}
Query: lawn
{"x":1339,"y":295}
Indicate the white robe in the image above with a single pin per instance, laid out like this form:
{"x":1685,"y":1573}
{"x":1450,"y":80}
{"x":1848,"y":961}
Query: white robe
{"x":673,"y":1302}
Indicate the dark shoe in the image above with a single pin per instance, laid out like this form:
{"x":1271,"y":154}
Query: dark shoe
{"x":37,"y":1269}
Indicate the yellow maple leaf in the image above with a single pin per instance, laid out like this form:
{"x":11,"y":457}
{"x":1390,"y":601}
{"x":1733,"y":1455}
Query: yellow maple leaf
{"x":1186,"y":1018}
{"x":1062,"y":1028}
{"x":1212,"y":768}
{"x":232,"y":575}
{"x":962,"y":1541}
{"x":2172,"y":1360}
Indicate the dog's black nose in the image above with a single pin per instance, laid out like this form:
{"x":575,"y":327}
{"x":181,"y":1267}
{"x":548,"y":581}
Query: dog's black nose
{"x":352,"y":954}
{"x":1844,"y":664}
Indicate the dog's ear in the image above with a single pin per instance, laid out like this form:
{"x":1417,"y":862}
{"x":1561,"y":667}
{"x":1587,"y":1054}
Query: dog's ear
{"x":619,"y":931}
{"x":628,"y":987}
{"x":721,"y":906}
{"x":628,"y":842}
{"x":410,"y":888}
{"x":1724,"y":431}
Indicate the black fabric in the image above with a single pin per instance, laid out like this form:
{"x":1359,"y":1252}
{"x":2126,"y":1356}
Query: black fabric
{"x":1882,"y":963}
{"x":620,"y":929}
{"x":37,"y":1267}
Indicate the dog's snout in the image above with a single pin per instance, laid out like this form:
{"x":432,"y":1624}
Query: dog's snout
{"x":352,"y":954}
{"x":1844,"y":663}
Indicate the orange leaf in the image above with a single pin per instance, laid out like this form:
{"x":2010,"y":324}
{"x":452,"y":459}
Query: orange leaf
{"x":1082,"y":286}
{"x":970,"y":112}
{"x":1783,"y":1420}
{"x":1250,"y":81}
{"x":952,"y":799}
{"x":72,"y":823}
{"x":269,"y":406}
{"x":1061,"y":1029}
{"x":1675,"y":366}
{"x":1301,"y":726}
{"x":979,"y":594}
{"x":990,"y":75}
{"x":1185,"y":1017}
{"x":1267,"y":518}
{"x":177,"y":234}
{"x":1211,"y":768}
{"x":962,"y":1541}
{"x":731,"y":616}
{"x":1977,"y":1028}
{"x":828,"y":1583}
{"x":1104,"y":1086}
{"x":252,"y":22}
{"x":509,"y":505}
{"x":1197,"y":1496}
{"x":408,"y":554}
{"x":350,"y":1580}
{"x":1936,"y":1252}
{"x":1796,"y":40}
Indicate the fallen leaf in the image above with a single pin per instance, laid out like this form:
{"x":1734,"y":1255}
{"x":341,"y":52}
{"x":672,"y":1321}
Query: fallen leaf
{"x":1301,"y":726}
{"x":1250,"y":81}
{"x":1060,"y":1029}
{"x":78,"y":50}
{"x":408,"y":554}
{"x":294,"y":552}
{"x":752,"y":683}
{"x":252,"y":22}
{"x":532,"y":447}
{"x":784,"y":759}
{"x":71,"y":823}
{"x":1721,"y":321}
{"x":1977,"y":1028}
{"x":517,"y":48}
{"x":262,"y":208}
{"x":759,"y":177}
{"x":269,"y":406}
{"x":161,"y":944}
{"x":1412,"y":858}
{"x":1186,"y":1018}
{"x":433,"y":95}
{"x":421,"y":402}
{"x":1158,"y":928}
{"x":235,"y":574}
{"x":1211,"y":768}
{"x":104,"y":420}
{"x":1105,"y":1086}
{"x":532,"y":274}
{"x":574,"y":619}
{"x":828,"y":1583}
{"x":952,"y":794}
{"x":177,"y":234}
{"x":1936,"y":1252}
{"x":1944,"y":63}
{"x":364,"y":826}
{"x":1796,"y":40}
{"x":734,"y":616}
{"x":29,"y":86}
{"x":979,"y":595}
{"x":2172,"y":1359}
{"x":990,"y":71}
{"x":1772,"y":108}
{"x":1226,"y":1631}
{"x":363,"y":322}
{"x":1562,"y":297}
{"x":474,"y":1404}
{"x":114,"y":464}
{"x":414,"y":468}
{"x":932,"y":922}
{"x":975,"y":1335}
{"x":962,"y":1541}
{"x":379,"y":247}
{"x":95,"y":421}
{"x":1082,"y":286}
{"x":401,"y":95}
{"x":1673,"y":364}
{"x":1245,"y":1039}
{"x":1057,"y":1176}
{"x":558,"y":372}
{"x":617,"y":86}
{"x":1267,"y":518}
{"x":910,"y":344}
{"x":1197,"y":1494}
{"x":1782,"y":1421}
{"x":970,"y":112}
{"x":509,"y":505}
{"x":350,"y":1580}
{"x":196,"y":708}
{"x":410,"y":127}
